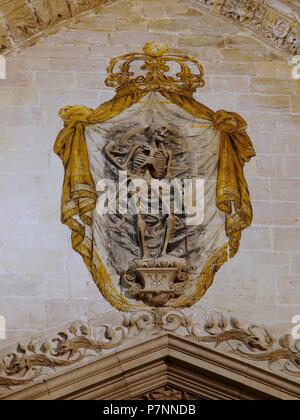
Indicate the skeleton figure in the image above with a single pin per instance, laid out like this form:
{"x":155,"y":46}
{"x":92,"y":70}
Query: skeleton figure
{"x":147,"y":161}
{"x":154,"y":159}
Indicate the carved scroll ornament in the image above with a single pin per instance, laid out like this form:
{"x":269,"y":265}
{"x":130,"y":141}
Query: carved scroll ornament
{"x":161,"y":256}
{"x":167,"y":393}
{"x":82,"y":342}
{"x":260,"y":18}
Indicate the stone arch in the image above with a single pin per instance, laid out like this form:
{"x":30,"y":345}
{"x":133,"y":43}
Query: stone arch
{"x":25,"y":21}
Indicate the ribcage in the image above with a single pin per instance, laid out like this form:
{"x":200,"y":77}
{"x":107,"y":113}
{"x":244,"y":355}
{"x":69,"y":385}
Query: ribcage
{"x":155,"y":160}
{"x":159,"y":163}
{"x":140,"y":160}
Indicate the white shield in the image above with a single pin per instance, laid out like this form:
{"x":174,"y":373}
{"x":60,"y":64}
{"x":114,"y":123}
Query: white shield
{"x":155,"y":247}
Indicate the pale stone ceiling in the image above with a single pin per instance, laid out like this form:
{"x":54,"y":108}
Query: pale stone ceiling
{"x":23,"y":22}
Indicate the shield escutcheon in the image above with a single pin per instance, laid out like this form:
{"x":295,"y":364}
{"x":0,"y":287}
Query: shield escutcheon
{"x":154,"y":190}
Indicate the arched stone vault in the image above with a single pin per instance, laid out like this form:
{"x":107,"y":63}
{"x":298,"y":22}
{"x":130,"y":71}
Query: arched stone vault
{"x":276,"y":23}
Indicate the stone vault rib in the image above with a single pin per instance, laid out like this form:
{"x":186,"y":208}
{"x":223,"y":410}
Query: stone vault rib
{"x":25,"y":21}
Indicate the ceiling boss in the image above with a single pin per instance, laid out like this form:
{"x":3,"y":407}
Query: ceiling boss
{"x":154,"y":191}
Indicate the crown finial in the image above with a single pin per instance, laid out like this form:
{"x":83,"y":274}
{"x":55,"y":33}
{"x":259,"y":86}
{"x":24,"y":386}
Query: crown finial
{"x":156,"y":49}
{"x":154,"y":72}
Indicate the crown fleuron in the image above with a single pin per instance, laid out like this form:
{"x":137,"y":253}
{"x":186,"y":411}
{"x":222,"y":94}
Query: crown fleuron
{"x":155,"y":66}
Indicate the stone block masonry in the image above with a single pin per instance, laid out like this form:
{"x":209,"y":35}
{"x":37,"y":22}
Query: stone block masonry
{"x":42,"y":281}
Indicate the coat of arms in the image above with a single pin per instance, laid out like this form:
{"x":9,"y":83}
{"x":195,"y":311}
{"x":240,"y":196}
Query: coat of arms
{"x":154,"y":190}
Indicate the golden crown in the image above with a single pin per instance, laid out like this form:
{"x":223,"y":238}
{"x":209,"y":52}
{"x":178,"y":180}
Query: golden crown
{"x":157,"y":63}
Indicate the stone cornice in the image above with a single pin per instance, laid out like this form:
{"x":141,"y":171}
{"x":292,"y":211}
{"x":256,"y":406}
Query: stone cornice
{"x":160,"y":365}
{"x":79,"y":344}
{"x":23,"y":23}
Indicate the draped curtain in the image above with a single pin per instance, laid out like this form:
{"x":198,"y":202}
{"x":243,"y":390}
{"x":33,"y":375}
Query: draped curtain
{"x":79,"y":191}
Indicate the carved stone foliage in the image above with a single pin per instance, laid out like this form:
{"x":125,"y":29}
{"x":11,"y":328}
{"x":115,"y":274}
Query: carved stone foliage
{"x":35,"y":17}
{"x":22,"y":26}
{"x":38,"y":359}
{"x":253,"y":343}
{"x":260,"y":18}
{"x":167,"y":393}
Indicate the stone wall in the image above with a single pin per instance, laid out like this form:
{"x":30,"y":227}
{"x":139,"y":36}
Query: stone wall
{"x":43,"y":283}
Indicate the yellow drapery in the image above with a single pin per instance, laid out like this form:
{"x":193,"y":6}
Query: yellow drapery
{"x":79,"y":191}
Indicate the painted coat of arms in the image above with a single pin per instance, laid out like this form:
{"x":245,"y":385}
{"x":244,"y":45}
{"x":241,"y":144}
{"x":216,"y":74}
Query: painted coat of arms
{"x":154,"y":189}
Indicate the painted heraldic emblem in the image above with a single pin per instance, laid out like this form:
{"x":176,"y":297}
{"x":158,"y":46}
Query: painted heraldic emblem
{"x":154,"y":190}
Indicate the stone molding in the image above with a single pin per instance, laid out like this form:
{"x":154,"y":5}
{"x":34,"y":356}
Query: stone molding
{"x":260,"y":19}
{"x":22,"y":26}
{"x":80,"y":344}
{"x":155,"y":369}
